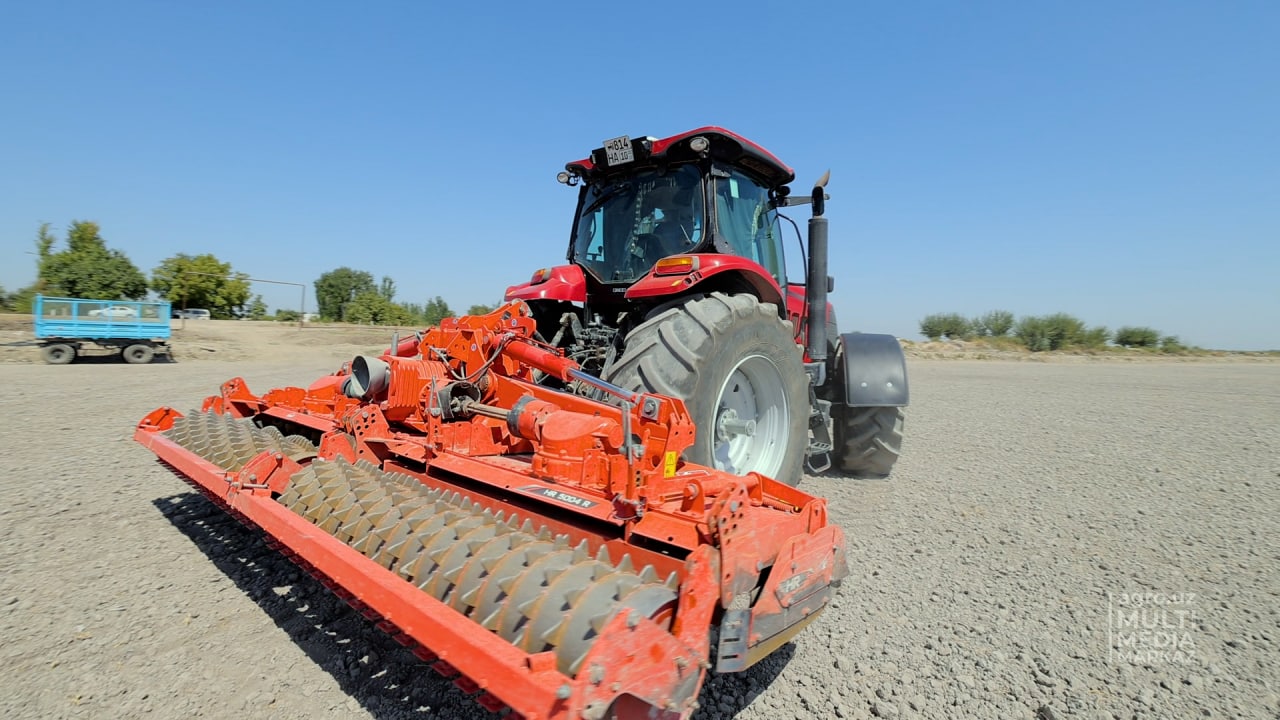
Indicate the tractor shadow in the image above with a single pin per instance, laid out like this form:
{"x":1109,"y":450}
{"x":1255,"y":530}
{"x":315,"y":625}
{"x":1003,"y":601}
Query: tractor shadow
{"x":386,"y":680}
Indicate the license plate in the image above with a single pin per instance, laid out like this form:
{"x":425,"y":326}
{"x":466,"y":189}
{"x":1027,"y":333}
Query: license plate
{"x":618,"y":151}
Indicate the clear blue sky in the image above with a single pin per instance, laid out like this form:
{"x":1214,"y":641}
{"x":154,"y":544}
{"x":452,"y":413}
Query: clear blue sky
{"x":1118,"y":161}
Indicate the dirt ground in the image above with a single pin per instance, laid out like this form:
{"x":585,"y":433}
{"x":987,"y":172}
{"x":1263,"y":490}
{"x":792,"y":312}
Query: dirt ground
{"x":1037,"y":507}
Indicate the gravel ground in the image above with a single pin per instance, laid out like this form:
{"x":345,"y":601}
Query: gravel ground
{"x":1059,"y":540}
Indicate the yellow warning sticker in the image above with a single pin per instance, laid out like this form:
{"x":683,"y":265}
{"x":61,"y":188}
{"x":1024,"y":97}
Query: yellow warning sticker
{"x":669,"y":468}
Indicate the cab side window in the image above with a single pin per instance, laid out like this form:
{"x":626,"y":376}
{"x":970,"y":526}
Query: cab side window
{"x":747,"y":223}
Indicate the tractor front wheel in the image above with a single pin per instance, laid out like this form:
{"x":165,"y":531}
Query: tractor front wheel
{"x":868,"y":439}
{"x":736,"y":365}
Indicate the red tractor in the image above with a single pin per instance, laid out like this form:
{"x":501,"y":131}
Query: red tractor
{"x":677,"y":284}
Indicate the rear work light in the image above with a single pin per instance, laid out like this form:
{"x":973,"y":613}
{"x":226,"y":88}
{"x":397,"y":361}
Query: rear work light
{"x":540,"y":276}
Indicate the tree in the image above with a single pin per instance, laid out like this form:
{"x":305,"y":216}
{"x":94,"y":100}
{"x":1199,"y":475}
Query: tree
{"x":387,"y":289}
{"x":1136,"y":337}
{"x":372,"y":308}
{"x":86,"y":268}
{"x":950,"y":325}
{"x":996,"y":323}
{"x":202,"y":281}
{"x":337,"y":288}
{"x":257,"y":308}
{"x":435,"y":311}
{"x":480,"y":309}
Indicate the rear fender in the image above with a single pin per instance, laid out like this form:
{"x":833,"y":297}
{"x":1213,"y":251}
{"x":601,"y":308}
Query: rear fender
{"x":563,"y":282}
{"x":874,"y":369}
{"x":710,"y":272}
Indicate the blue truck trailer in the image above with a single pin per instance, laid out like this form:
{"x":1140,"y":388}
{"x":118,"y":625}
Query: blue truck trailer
{"x":67,"y":327}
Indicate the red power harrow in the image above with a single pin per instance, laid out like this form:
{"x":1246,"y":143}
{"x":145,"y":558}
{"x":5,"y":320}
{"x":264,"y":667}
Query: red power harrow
{"x":549,"y":552}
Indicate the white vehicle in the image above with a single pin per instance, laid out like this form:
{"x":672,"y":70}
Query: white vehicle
{"x":194,"y":314}
{"x":114,"y":311}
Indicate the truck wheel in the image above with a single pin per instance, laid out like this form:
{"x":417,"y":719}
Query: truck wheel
{"x":736,"y":365}
{"x":868,"y":439}
{"x":58,"y":354}
{"x":138,"y":354}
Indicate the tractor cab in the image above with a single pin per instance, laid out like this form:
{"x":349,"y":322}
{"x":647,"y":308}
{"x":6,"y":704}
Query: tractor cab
{"x":705,"y":191}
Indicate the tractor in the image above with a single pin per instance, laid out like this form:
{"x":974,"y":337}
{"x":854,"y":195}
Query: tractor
{"x":676,"y":283}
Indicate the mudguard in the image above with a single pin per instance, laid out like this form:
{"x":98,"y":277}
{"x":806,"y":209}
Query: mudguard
{"x":874,"y":369}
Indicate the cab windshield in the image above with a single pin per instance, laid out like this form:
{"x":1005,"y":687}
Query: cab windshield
{"x":628,"y":224}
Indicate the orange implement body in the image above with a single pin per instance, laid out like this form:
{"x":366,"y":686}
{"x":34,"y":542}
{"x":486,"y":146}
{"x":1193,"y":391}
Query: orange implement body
{"x":551,"y":553}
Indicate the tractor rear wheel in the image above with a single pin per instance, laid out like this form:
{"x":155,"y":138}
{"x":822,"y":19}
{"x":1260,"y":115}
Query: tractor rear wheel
{"x":736,"y":365}
{"x":868,"y":439}
{"x":138,"y":354}
{"x":58,"y":354}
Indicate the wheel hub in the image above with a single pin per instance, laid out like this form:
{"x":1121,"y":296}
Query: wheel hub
{"x":751,"y":419}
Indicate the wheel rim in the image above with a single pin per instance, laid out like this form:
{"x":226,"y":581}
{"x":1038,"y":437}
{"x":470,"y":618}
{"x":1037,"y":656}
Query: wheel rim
{"x":751,"y":424}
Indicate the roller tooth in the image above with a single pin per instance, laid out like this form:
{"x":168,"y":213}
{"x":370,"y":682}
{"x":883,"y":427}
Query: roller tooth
{"x":574,"y":595}
{"x":625,"y":565}
{"x":551,"y":632}
{"x":581,"y":552}
{"x":599,"y":621}
{"x":505,"y":584}
{"x":603,"y":555}
{"x":452,"y":574}
{"x":491,"y":623}
{"x":527,"y":527}
{"x":527,"y":606}
{"x":468,"y":598}
{"x":648,"y":574}
{"x":562,"y":542}
{"x":600,"y":570}
{"x":672,"y":582}
{"x":544,"y":533}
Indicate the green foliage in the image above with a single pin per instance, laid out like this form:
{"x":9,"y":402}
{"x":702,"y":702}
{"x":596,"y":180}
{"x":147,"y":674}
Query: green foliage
{"x":285,"y":315}
{"x":1058,"y":331}
{"x":481,"y":309}
{"x":949,"y":325}
{"x":338,"y":288}
{"x":432,"y":313}
{"x":435,"y":311}
{"x":1096,"y":338}
{"x":996,"y":323}
{"x":1171,"y":344}
{"x":257,"y":309}
{"x":24,"y":300}
{"x":86,"y":268}
{"x":1144,"y":337}
{"x":202,"y":281}
{"x":387,"y":288}
{"x":372,"y":308}
{"x":1034,"y":333}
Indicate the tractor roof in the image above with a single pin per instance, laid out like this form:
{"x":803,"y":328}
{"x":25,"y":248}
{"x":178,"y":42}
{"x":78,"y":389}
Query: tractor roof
{"x":724,"y":145}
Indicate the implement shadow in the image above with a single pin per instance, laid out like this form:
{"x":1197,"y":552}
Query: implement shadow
{"x":724,"y":696}
{"x":386,"y":679}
